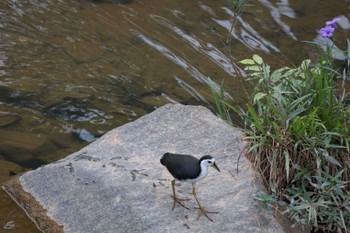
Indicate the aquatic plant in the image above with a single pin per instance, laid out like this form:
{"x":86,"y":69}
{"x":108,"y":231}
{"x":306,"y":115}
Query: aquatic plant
{"x":297,"y":123}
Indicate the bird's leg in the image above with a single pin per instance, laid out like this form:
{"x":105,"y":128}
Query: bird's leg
{"x":200,"y":207}
{"x":177,"y":200}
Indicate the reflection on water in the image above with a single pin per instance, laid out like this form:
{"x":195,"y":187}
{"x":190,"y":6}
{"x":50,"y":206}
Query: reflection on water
{"x":70,"y":70}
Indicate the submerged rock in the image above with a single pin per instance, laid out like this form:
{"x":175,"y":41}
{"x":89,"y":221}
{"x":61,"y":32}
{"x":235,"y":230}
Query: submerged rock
{"x":117,"y":184}
{"x":21,"y":147}
{"x":7,"y":119}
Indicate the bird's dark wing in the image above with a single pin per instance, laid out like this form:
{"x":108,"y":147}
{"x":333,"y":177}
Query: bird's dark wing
{"x":181,"y":167}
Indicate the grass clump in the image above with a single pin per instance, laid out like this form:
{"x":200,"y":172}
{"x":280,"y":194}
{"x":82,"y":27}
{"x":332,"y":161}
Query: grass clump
{"x":297,"y":123}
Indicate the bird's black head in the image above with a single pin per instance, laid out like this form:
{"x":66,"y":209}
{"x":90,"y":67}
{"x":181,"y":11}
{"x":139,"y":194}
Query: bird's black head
{"x":206,"y":157}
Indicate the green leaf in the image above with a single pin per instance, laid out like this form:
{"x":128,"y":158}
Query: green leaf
{"x":257,"y":120}
{"x":266,"y":69}
{"x":217,"y":100}
{"x":278,"y":74}
{"x":338,"y":175}
{"x":305,"y":64}
{"x":258,"y":59}
{"x":331,"y":160}
{"x":286,"y":156}
{"x":247,"y":62}
{"x":259,"y":96}
{"x":252,"y":68}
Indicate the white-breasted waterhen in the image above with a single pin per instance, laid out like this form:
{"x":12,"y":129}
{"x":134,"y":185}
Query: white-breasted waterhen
{"x":188,"y":168}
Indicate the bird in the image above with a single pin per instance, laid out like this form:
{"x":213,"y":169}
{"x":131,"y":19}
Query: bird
{"x":188,"y":168}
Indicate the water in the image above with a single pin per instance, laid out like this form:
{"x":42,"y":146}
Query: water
{"x":70,"y":70}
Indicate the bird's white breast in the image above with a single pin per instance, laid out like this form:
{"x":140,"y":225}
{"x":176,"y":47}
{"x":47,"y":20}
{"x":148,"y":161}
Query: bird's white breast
{"x":203,"y":174}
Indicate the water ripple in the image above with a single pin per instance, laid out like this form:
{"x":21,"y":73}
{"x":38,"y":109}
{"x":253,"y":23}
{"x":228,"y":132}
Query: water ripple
{"x":180,"y":62}
{"x":249,"y":36}
{"x":277,"y":12}
{"x":187,"y":87}
{"x":207,"y":50}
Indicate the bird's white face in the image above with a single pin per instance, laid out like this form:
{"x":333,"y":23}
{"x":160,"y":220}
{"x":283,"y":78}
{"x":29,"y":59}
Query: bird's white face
{"x":205,"y":163}
{"x":208,"y":162}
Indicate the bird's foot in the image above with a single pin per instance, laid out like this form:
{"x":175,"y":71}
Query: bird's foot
{"x":205,"y":212}
{"x":179,"y":201}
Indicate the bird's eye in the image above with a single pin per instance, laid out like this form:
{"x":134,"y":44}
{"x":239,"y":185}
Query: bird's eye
{"x":210,"y":162}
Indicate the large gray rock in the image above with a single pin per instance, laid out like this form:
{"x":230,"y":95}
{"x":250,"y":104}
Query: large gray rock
{"x":117,"y":184}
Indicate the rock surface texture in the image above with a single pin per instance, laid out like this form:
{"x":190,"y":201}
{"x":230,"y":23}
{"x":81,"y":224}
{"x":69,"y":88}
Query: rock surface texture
{"x":117,"y":184}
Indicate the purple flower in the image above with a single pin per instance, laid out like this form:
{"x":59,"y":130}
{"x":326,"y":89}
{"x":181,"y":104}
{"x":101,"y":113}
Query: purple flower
{"x":327,"y":31}
{"x":333,"y":22}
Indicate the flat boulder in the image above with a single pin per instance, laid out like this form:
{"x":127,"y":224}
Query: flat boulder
{"x":117,"y":184}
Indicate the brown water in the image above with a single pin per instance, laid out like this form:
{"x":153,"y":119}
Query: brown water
{"x":70,"y":70}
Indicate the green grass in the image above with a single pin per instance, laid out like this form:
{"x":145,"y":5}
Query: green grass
{"x":298,"y":129}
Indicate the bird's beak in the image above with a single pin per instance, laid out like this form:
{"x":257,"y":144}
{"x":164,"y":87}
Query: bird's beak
{"x":216,"y":166}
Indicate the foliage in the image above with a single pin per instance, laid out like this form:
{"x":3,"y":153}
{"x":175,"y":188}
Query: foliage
{"x":327,"y":205}
{"x":298,"y":125}
{"x":238,"y":6}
